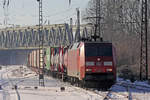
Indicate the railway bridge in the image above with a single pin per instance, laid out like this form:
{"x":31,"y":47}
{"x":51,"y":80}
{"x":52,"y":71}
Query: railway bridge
{"x":58,"y":34}
{"x":16,"y":43}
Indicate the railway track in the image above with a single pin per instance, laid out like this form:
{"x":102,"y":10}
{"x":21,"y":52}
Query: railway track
{"x":10,"y":82}
{"x":85,"y":90}
{"x":4,"y":83}
{"x":16,"y":82}
{"x":14,"y":86}
{"x":112,"y":95}
{"x":104,"y":95}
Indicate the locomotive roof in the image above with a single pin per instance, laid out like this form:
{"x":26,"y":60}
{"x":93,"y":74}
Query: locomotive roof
{"x":99,"y":42}
{"x":76,"y":45}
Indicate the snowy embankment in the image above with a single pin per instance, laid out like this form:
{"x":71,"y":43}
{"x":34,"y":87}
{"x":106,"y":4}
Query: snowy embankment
{"x":27,"y":87}
{"x":125,"y":90}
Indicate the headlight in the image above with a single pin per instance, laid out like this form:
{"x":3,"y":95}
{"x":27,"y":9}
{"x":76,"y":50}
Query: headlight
{"x":90,"y":63}
{"x":109,"y":70}
{"x":108,"y":63}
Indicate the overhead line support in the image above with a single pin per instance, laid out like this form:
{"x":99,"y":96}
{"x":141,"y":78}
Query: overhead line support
{"x":41,"y":50}
{"x":144,"y":47}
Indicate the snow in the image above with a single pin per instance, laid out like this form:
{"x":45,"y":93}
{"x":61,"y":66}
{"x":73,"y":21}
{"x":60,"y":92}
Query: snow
{"x":54,"y":93}
{"x":27,"y":81}
{"x":140,"y":92}
{"x":1,"y":95}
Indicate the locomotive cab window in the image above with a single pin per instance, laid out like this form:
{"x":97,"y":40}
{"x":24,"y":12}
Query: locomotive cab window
{"x":98,"y":50}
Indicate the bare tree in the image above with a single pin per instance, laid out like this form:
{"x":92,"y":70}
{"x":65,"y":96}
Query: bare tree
{"x":120,"y":24}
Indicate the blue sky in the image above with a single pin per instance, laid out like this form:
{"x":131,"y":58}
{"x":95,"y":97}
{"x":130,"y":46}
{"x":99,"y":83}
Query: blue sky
{"x":25,"y":12}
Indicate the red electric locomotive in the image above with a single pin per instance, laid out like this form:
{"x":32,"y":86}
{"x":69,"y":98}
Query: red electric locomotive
{"x":87,"y":63}
{"x":92,"y":63}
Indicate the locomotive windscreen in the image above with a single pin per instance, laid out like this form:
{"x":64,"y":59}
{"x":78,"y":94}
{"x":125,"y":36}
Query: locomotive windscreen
{"x":98,"y":49}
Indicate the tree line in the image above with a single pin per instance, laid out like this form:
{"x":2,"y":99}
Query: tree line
{"x":121,"y":24}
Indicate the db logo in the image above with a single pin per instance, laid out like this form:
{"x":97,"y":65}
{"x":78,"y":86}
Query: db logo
{"x":98,"y":59}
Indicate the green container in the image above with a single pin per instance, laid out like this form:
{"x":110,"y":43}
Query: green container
{"x":48,"y":58}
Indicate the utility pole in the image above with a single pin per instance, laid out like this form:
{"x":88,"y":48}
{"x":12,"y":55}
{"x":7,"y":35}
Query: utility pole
{"x":41,"y":51}
{"x":144,"y":48}
{"x":71,"y":30}
{"x":77,"y":35}
{"x":98,"y":33}
{"x":98,"y":18}
{"x":71,"y":24}
{"x":5,"y":7}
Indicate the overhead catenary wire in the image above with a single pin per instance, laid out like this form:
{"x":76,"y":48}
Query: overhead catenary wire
{"x":65,"y":18}
{"x":68,"y":10}
{"x":73,"y":6}
{"x":51,"y":16}
{"x":46,"y":18}
{"x":60,"y":12}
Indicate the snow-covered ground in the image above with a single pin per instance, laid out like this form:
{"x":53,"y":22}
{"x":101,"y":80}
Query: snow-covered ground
{"x":27,"y":81}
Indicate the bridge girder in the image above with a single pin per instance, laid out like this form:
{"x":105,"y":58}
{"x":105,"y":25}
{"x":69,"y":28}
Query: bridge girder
{"x":28,"y":37}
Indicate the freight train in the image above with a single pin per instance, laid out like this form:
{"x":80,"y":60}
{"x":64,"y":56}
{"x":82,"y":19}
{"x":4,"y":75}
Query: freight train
{"x":91,"y":64}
